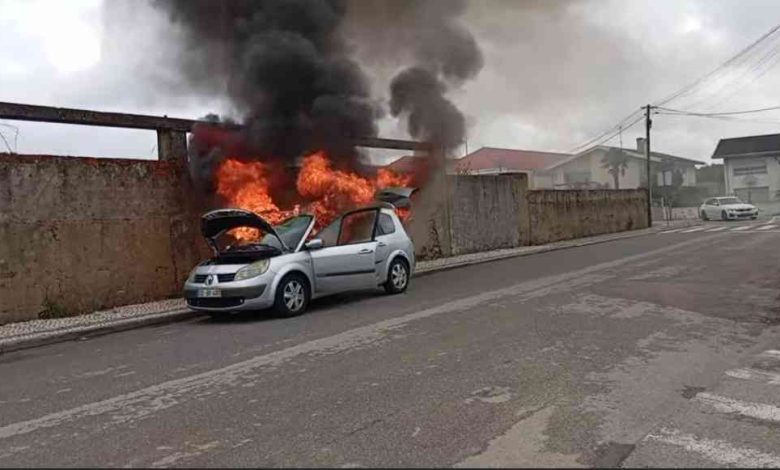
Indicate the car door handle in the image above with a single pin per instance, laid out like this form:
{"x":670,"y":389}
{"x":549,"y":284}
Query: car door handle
{"x":365,"y":251}
{"x":382,"y":244}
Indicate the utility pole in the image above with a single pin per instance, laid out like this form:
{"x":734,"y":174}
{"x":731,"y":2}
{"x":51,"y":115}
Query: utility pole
{"x":648,"y":124}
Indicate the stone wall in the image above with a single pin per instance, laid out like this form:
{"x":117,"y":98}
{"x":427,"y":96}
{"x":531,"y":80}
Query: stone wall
{"x":478,"y":213}
{"x":484,"y":213}
{"x":81,"y":234}
{"x":561,"y":215}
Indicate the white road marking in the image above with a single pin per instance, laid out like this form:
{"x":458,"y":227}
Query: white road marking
{"x":771,"y":378}
{"x":695,"y":229}
{"x":718,"y":451}
{"x":129,"y":407}
{"x":766,"y":227}
{"x":671,"y":231}
{"x":717,"y":229}
{"x":745,"y":408}
{"x":746,"y":227}
{"x":771,"y":352}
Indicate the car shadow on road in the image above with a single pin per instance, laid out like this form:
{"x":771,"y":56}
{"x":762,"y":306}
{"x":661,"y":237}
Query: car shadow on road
{"x":318,"y":305}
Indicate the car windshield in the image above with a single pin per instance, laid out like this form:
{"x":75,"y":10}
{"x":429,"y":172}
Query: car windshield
{"x":729,"y":200}
{"x":291,"y":231}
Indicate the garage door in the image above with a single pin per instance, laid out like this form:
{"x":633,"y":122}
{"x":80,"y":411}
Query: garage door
{"x":757,"y":194}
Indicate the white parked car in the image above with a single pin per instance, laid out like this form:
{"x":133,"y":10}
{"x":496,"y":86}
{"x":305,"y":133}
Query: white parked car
{"x":727,"y":208}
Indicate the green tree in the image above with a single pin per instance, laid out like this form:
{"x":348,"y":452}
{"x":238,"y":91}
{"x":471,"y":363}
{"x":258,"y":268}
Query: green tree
{"x":616,"y":163}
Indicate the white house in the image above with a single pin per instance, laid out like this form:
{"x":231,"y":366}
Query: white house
{"x":591,"y":169}
{"x":751,"y":167}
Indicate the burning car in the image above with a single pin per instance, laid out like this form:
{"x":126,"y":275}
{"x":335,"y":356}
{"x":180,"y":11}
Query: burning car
{"x":276,"y":267}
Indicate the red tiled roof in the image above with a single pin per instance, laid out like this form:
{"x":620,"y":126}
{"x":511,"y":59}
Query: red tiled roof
{"x":509,"y":159}
{"x":403,"y":164}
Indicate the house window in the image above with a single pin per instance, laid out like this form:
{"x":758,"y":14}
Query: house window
{"x":576,"y":176}
{"x":757,"y":169}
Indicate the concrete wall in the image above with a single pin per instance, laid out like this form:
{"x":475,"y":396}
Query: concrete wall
{"x":492,"y":212}
{"x":80,"y":234}
{"x":479,"y":213}
{"x":561,"y":215}
{"x":486,"y":212}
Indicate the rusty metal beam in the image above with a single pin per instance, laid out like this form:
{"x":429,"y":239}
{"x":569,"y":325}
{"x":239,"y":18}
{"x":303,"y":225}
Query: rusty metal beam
{"x":395,"y":144}
{"x":28,"y":112}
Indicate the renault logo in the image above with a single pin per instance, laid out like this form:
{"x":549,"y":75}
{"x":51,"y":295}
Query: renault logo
{"x":210,"y":280}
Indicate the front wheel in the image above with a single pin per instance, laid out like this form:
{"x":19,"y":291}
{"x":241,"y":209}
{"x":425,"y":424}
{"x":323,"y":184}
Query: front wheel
{"x":292,"y":295}
{"x":397,"y":277}
{"x":724,"y":216}
{"x":704,"y":216}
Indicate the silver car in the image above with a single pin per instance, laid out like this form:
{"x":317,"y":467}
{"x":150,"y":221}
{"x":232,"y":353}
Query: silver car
{"x":362,"y":249}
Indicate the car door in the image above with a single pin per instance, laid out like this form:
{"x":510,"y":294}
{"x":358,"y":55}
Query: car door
{"x":714,"y":209}
{"x":708,"y":207}
{"x":349,"y":263}
{"x":705,"y":207}
{"x":385,"y":231}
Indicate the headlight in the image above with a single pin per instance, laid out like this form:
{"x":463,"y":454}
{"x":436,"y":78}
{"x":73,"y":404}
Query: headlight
{"x":253,"y":270}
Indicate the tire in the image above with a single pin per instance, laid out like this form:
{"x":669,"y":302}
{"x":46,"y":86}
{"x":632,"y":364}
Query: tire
{"x":724,"y":216}
{"x":292,"y":295}
{"x":397,"y":276}
{"x":704,"y":216}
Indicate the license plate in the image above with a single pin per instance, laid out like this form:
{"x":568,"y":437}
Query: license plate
{"x":209,"y":293}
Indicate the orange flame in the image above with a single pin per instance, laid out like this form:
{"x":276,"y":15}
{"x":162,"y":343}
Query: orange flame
{"x":321,"y":190}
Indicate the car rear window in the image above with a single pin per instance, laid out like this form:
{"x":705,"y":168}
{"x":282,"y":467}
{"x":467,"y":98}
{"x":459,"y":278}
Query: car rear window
{"x":386,"y":225}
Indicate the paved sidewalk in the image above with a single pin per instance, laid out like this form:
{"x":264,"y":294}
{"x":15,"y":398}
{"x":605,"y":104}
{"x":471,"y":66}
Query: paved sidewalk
{"x":21,"y":335}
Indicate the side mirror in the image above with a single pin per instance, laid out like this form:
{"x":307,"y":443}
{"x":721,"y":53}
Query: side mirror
{"x":314,"y":244}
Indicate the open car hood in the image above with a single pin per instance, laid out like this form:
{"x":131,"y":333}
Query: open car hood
{"x":213,"y":223}
{"x":397,"y":196}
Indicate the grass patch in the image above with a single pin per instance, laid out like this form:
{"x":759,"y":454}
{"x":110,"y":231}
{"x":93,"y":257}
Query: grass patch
{"x":53,"y":309}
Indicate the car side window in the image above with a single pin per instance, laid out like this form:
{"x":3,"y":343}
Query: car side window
{"x":385,"y":225}
{"x":357,"y":227}
{"x":708,"y":202}
{"x":329,"y":235}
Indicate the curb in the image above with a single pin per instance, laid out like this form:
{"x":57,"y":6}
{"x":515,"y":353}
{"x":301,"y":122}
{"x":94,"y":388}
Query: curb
{"x":52,"y":337}
{"x":555,"y":246}
{"x":172,"y":316}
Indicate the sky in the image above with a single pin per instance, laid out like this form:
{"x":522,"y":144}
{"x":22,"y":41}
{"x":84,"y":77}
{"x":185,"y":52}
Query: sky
{"x":556,"y":72}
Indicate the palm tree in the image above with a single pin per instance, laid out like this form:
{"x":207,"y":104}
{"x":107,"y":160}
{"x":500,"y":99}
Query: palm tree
{"x":616,"y":163}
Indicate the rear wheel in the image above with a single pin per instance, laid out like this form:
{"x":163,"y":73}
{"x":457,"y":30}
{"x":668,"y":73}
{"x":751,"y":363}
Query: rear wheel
{"x":397,"y":276}
{"x":292,"y":295}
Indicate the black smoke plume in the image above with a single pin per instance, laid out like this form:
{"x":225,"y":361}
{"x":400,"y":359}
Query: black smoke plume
{"x":443,"y":54}
{"x":284,"y":66}
{"x":290,"y":72}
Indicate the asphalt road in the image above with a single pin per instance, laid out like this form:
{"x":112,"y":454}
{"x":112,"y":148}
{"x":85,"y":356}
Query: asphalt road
{"x":659,"y":350}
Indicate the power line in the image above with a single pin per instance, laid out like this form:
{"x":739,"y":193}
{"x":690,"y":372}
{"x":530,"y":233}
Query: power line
{"x":722,"y":118}
{"x":16,"y":137}
{"x":749,"y":111}
{"x":744,"y":73}
{"x":720,"y":68}
{"x":610,"y":133}
{"x":607,"y":136}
